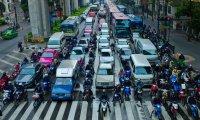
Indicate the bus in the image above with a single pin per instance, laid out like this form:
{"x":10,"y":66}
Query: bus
{"x":120,"y":25}
{"x":70,"y":26}
{"x":136,"y":23}
{"x":112,"y":10}
{"x":122,"y":9}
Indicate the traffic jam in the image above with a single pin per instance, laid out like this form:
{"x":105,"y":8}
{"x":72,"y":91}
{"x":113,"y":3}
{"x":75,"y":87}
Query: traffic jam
{"x":105,"y":60}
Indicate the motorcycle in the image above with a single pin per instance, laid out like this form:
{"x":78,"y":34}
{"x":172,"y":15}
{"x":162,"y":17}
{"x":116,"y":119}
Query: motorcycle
{"x":174,"y":80}
{"x":198,"y":93}
{"x":116,"y":98}
{"x":139,"y":94}
{"x":6,"y":96}
{"x":194,"y":111}
{"x":19,"y":95}
{"x":182,"y":96}
{"x":128,"y":73}
{"x":164,"y":95}
{"x":87,"y":95}
{"x":104,"y":105}
{"x":121,"y":80}
{"x":167,"y":74}
{"x":127,"y":92}
{"x":45,"y":87}
{"x":154,"y":89}
{"x":3,"y":82}
{"x":52,"y":69}
{"x":174,"y":108}
{"x":158,"y":111}
{"x":37,"y":99}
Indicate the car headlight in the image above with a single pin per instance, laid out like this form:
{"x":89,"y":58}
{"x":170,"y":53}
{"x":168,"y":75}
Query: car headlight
{"x":53,"y":94}
{"x":67,"y":94}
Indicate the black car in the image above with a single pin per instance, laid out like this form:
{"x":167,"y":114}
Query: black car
{"x":30,"y":74}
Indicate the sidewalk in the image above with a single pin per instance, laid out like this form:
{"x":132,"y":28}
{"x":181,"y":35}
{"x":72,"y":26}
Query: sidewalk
{"x":179,"y":40}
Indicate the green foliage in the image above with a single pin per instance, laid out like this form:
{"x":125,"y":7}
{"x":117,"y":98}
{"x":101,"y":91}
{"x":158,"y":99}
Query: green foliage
{"x":2,"y":21}
{"x":56,"y":27}
{"x":24,"y":5}
{"x":79,"y":11}
{"x":2,"y":8}
{"x":191,"y":10}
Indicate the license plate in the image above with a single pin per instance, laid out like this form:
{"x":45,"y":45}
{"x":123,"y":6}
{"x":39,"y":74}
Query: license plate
{"x":60,"y":97}
{"x":104,"y":84}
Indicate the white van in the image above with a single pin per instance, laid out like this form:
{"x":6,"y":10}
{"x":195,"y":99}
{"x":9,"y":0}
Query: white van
{"x":147,"y":48}
{"x":56,"y":41}
{"x":89,"y":21}
{"x":68,"y":69}
{"x":104,"y":26}
{"x":141,"y":68}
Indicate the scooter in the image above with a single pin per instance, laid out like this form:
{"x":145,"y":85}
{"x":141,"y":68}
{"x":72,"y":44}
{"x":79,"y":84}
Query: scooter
{"x":52,"y":69}
{"x":127,"y":92}
{"x":194,"y":111}
{"x":128,"y":73}
{"x":182,"y":96}
{"x":37,"y":100}
{"x":45,"y":87}
{"x":116,"y":98}
{"x":6,"y":96}
{"x":154,"y":89}
{"x":19,"y":95}
{"x":174,"y":80}
{"x":139,"y":94}
{"x":121,"y":80}
{"x":104,"y":105}
{"x":174,"y":109}
{"x":87,"y":95}
{"x":158,"y":111}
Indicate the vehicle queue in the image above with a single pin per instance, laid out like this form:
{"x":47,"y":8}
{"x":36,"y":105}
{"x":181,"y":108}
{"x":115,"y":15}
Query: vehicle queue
{"x":144,"y":61}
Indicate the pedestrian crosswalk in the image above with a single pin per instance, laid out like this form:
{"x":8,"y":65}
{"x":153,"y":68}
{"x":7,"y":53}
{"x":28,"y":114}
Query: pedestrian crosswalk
{"x":82,"y":110}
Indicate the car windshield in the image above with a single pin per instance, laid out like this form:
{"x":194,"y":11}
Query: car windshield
{"x":63,"y":81}
{"x":77,"y":52}
{"x":9,"y":32}
{"x":149,"y":52}
{"x":143,"y":70}
{"x":54,"y":42}
{"x":82,"y":42}
{"x":105,"y":72}
{"x":27,"y":71}
{"x":103,"y":40}
{"x":122,"y":34}
{"x":104,"y":33}
{"x":47,"y":55}
{"x":122,"y":42}
{"x":126,"y":52}
{"x":105,"y":54}
{"x":87,"y":35}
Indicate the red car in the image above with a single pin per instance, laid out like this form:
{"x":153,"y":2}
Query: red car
{"x":92,"y":14}
{"x":48,"y":56}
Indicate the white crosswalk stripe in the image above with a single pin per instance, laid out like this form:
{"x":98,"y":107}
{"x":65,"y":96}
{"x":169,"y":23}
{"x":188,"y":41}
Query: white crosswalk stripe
{"x":26,"y":110}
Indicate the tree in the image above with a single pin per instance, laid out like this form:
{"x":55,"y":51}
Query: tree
{"x":190,"y":9}
{"x":2,"y":8}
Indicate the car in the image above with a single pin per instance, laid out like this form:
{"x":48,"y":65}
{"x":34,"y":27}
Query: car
{"x":103,"y":43}
{"x":30,"y":74}
{"x":136,"y":36}
{"x":63,"y":89}
{"x":92,"y":14}
{"x":121,"y":43}
{"x":87,"y":35}
{"x":104,"y":26}
{"x":100,"y":22}
{"x":88,"y":29}
{"x":9,"y":34}
{"x":77,"y":53}
{"x":106,"y":56}
{"x":124,"y":54}
{"x":102,"y":12}
{"x":48,"y":56}
{"x":83,"y":42}
{"x":105,"y":76}
{"x":104,"y":33}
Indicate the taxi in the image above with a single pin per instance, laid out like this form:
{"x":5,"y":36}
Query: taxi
{"x":48,"y":56}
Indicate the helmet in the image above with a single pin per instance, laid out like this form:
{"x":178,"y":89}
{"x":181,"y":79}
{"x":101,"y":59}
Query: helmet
{"x":45,"y":74}
{"x":121,"y":69}
{"x":20,"y":83}
{"x":157,"y":65}
{"x":117,"y":84}
{"x":127,"y":79}
{"x":104,"y":90}
{"x":65,"y":48}
{"x":9,"y":82}
{"x":4,"y":73}
{"x":18,"y":63}
{"x":38,"y":84}
{"x":190,"y":65}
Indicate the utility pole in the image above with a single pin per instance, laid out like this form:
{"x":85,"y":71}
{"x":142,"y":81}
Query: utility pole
{"x":16,"y":21}
{"x":165,"y":14}
{"x":158,"y":17}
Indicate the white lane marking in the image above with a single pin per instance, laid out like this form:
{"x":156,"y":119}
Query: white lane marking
{"x":84,"y":110}
{"x":50,"y":111}
{"x":139,"y":110}
{"x":6,"y":111}
{"x":129,"y":110}
{"x":17,"y":111}
{"x":30,"y":90}
{"x":39,"y":111}
{"x":73,"y":110}
{"x":6,"y":62}
{"x":118,"y":114}
{"x":20,"y":52}
{"x":184,"y":110}
{"x":61,"y":111}
{"x":151,"y":110}
{"x":179,"y":117}
{"x":27,"y":112}
{"x":165,"y":114}
{"x":94,"y":110}
{"x":13,"y":57}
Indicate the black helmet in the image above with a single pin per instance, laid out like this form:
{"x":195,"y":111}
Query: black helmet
{"x":4,"y":73}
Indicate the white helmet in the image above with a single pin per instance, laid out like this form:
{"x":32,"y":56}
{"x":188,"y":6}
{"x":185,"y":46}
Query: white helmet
{"x":20,"y":83}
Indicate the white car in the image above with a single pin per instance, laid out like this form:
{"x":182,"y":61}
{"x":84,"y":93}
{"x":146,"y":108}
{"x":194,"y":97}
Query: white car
{"x":104,"y":33}
{"x":77,"y":53}
{"x":106,"y":56}
{"x":83,"y":42}
{"x":105,"y":76}
{"x":136,"y":36}
{"x":102,"y":12}
{"x":103,"y":43}
{"x":122,"y":43}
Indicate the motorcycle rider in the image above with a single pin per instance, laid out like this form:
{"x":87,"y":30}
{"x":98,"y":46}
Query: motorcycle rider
{"x":87,"y":83}
{"x":139,"y":85}
{"x":46,"y":70}
{"x":104,"y":96}
{"x":127,"y":82}
{"x":191,"y":99}
{"x":10,"y":88}
{"x":117,"y":90}
{"x":64,"y":53}
{"x":25,"y":61}
{"x":38,"y":89}
{"x":46,"y":78}
{"x":20,"y":88}
{"x":90,"y":68}
{"x":91,"y":54}
{"x":190,"y":68}
{"x":4,"y":77}
{"x":39,"y":52}
{"x":34,"y":55}
{"x":88,"y":90}
{"x":121,"y":72}
{"x":156,"y":100}
{"x":17,"y":67}
{"x":20,"y":46}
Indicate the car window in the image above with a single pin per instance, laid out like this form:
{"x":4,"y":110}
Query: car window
{"x":143,"y":70}
{"x":149,"y":52}
{"x":105,"y":72}
{"x":63,"y":81}
{"x":126,"y":52}
{"x":103,"y":40}
{"x":77,"y":52}
{"x":54,"y":42}
{"x":82,"y":42}
{"x":105,"y":54}
{"x":47,"y":55}
{"x":27,"y":71}
{"x":122,"y":42}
